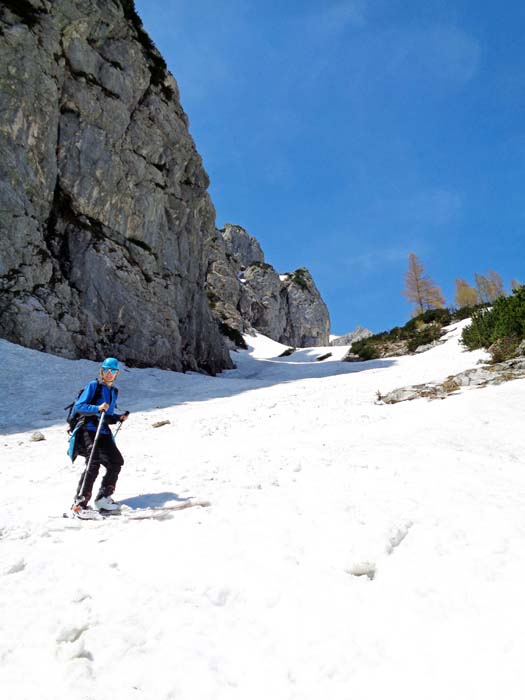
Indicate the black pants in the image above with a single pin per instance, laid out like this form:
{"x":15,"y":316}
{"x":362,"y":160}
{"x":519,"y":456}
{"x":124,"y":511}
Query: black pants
{"x":107,"y":454}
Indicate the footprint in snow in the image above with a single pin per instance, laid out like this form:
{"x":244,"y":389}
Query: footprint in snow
{"x":368,"y":567}
{"x":71,"y":633}
{"x":397,"y":536}
{"x":18,"y":566}
{"x":218,"y":596}
{"x":363,"y":568}
{"x":71,"y":648}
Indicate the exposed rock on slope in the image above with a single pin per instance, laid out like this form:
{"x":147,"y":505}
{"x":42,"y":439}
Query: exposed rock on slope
{"x":104,"y":212}
{"x":478,"y":377}
{"x":247,"y":293}
{"x":358,"y":334}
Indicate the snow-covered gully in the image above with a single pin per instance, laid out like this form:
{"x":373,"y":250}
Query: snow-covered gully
{"x":349,"y":549}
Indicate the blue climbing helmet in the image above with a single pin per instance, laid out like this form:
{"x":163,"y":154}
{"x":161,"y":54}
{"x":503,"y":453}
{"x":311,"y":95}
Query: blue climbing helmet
{"x":110,"y":363}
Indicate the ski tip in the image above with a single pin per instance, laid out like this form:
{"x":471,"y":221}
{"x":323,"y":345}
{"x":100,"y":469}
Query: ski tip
{"x":83,"y":515}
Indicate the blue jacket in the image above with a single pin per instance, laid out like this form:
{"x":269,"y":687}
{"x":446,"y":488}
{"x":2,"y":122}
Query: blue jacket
{"x":84,"y":406}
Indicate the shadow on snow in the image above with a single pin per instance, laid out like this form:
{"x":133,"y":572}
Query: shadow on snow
{"x":152,"y":500}
{"x":35,"y":386}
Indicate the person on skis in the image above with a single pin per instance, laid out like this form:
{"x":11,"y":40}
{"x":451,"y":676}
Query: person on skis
{"x":99,"y":396}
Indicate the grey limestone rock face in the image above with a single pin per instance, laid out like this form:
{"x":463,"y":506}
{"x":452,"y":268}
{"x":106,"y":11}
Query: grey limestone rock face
{"x":223,"y":286}
{"x":242,"y":290}
{"x":104,"y":213}
{"x":247,"y":293}
{"x":263,"y":300}
{"x":245,"y":249}
{"x":308,"y":321}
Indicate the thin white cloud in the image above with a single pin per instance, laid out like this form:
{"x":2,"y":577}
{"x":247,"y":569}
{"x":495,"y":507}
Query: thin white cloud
{"x":424,"y":209}
{"x":341,"y":15}
{"x":334,"y":19}
{"x":435,"y":206}
{"x":376,"y":259}
{"x":436,"y":52}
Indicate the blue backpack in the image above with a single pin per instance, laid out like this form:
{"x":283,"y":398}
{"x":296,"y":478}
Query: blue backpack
{"x":73,"y":418}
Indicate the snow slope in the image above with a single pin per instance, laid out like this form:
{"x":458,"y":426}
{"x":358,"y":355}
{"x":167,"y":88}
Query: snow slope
{"x":350,"y":549}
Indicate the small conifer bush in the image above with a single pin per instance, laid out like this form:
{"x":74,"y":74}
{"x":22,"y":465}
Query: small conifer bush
{"x":299,"y":278}
{"x":424,"y":337}
{"x":365,"y":350}
{"x":503,"y":325}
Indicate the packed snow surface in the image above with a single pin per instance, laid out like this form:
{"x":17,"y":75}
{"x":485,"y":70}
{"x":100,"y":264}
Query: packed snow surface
{"x":350,"y":549}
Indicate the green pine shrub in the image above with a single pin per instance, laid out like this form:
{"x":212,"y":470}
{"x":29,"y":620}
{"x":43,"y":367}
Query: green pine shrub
{"x":505,"y":320}
{"x":299,"y":277}
{"x":479,"y":333}
{"x":502,"y":325}
{"x":420,"y":330}
{"x":365,"y":350}
{"x":503,"y":349}
{"x":425,"y":336}
{"x":261,"y":265}
{"x":466,"y":312}
{"x":441,"y":316}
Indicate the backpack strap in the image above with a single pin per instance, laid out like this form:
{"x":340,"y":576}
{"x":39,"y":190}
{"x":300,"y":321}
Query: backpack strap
{"x":97,"y":396}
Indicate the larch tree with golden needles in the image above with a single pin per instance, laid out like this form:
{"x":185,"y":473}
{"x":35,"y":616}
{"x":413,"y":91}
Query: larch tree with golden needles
{"x":419,"y":288}
{"x":497,"y":287}
{"x":489,"y":288}
{"x":465,"y":294}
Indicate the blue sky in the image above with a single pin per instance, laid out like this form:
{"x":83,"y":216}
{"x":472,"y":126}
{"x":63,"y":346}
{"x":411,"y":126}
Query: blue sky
{"x":346,"y":134}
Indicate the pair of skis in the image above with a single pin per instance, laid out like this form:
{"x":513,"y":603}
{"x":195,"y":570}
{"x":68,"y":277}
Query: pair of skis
{"x":127,"y":513}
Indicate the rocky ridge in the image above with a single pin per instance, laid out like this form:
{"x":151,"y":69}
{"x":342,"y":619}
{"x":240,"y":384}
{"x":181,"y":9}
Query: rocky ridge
{"x":247,"y":294}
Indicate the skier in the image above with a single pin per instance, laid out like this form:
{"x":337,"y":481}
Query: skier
{"x":97,"y":396}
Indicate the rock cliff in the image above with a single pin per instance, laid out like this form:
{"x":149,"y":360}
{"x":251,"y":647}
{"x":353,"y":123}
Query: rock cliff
{"x":247,"y":294}
{"x":108,"y":243}
{"x":104,"y":213}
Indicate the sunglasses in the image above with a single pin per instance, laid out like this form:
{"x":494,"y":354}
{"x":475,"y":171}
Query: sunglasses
{"x":111,"y":371}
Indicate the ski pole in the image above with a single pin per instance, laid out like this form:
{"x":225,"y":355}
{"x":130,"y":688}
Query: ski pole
{"x":101,"y":420}
{"x":120,"y":425}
